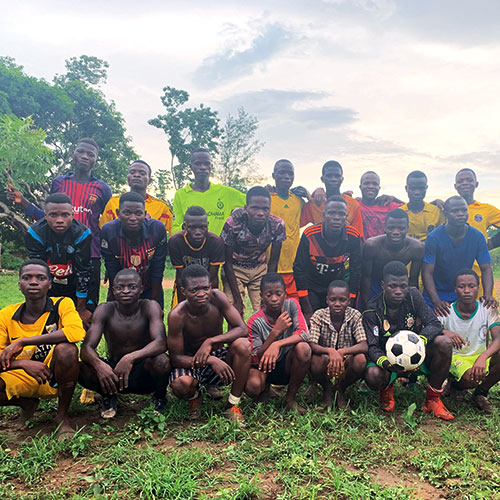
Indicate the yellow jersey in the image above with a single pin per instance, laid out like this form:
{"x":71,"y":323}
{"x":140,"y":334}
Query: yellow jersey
{"x":289,"y":210}
{"x":155,"y":209}
{"x":425,"y":221}
{"x":482,"y":216}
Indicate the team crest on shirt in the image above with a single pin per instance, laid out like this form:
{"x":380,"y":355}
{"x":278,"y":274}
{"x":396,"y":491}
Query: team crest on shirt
{"x":220,"y":205}
{"x":478,"y":217}
{"x":410,"y":321}
{"x":387,"y":325}
{"x":135,"y":260}
{"x":92,"y":198}
{"x":51,"y":328}
{"x":151,"y":252}
{"x":104,"y":244}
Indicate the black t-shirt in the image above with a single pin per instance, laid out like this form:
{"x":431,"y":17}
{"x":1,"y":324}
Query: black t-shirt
{"x":209,"y":253}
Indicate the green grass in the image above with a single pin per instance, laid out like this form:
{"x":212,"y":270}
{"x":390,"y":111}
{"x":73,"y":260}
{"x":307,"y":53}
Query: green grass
{"x":356,"y":454}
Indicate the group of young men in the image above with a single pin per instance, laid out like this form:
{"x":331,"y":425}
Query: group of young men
{"x":324,"y":302}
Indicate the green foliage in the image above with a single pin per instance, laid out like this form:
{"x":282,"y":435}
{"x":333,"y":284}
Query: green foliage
{"x":23,"y":153}
{"x":86,"y":69}
{"x":237,"y":151}
{"x":186,"y":129}
{"x":409,"y":417}
{"x":12,"y":255}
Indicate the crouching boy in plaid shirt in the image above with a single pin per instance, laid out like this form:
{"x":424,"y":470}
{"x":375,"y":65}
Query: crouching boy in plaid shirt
{"x":338,"y":344}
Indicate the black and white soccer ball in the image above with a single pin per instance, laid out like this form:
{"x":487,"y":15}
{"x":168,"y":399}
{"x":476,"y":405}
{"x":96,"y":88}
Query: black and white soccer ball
{"x":405,"y":349}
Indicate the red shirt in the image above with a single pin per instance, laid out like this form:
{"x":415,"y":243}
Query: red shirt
{"x":374,"y":218}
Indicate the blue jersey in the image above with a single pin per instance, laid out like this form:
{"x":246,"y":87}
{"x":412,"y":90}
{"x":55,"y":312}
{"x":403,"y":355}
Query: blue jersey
{"x":450,"y":257}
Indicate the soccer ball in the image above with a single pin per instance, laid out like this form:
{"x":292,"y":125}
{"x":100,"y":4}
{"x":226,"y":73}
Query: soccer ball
{"x":405,"y":349}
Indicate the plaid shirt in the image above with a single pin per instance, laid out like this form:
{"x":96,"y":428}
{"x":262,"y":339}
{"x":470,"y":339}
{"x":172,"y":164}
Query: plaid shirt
{"x":323,"y":332}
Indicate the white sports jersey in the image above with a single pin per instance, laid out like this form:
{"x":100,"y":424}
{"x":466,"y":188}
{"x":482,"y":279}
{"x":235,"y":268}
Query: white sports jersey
{"x":474,"y":330}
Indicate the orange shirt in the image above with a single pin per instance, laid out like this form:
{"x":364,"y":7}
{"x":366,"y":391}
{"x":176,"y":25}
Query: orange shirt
{"x":311,"y":213}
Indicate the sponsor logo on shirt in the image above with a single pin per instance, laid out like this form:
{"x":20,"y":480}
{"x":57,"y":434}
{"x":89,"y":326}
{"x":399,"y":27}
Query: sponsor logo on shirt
{"x":81,"y":210}
{"x":61,"y":270}
{"x":478,"y":217}
{"x":375,"y":331}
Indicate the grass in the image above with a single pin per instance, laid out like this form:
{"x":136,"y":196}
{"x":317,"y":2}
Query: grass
{"x":355,"y":454}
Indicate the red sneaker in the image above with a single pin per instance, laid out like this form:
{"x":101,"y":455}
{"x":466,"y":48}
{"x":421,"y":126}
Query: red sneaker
{"x":437,"y":408}
{"x":234,"y":414}
{"x":387,"y":402}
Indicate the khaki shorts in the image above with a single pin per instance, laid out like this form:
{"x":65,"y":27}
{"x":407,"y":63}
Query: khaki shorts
{"x":247,"y":279}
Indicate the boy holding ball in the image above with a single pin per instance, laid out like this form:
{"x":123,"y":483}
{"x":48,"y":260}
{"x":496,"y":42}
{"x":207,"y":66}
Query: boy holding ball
{"x":400,"y":307}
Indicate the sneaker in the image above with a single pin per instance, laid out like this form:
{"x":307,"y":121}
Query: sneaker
{"x":234,"y":414}
{"x":159,"y":404}
{"x":483,"y":403}
{"x":387,"y":402}
{"x":194,"y":408}
{"x":108,"y":406}
{"x":437,"y":408}
{"x":214,"y":393}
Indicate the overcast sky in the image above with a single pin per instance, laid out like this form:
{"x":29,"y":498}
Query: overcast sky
{"x":383,"y":85}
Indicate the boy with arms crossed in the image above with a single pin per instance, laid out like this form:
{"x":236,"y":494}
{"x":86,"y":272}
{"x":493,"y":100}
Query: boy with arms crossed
{"x":278,"y":334}
{"x":196,"y":344}
{"x":401,"y":308}
{"x":64,"y":244}
{"x":247,"y":234}
{"x":38,"y":352}
{"x":338,"y":344}
{"x":474,"y":364}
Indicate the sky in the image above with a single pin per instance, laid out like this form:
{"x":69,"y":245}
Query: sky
{"x":384,"y":85}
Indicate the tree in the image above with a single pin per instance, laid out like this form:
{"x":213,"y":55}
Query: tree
{"x":87,"y":69}
{"x":186,"y":129}
{"x":68,"y":110}
{"x":24,"y":160}
{"x":235,"y":165}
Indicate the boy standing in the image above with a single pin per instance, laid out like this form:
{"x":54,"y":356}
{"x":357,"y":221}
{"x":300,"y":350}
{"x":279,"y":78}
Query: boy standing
{"x":218,"y":200}
{"x":373,"y":213}
{"x":89,"y":196}
{"x":64,"y":244}
{"x":287,"y":206}
{"x":278,"y":335}
{"x":134,"y":242}
{"x":338,"y":344}
{"x":327,"y":251}
{"x":475,"y":362}
{"x":138,"y":179}
{"x":247,"y":234}
{"x":195,"y":245}
{"x":393,"y":245}
{"x":332,"y":176}
{"x":423,"y":217}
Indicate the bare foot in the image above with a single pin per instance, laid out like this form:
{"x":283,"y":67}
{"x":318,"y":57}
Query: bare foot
{"x":341,"y":400}
{"x":28,"y":408}
{"x":294,"y":406}
{"x":311,"y":390}
{"x":264,"y":395}
{"x":65,"y":431}
{"x":327,"y":401}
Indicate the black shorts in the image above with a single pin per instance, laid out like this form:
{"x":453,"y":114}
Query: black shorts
{"x":317,"y":299}
{"x":94,"y":284}
{"x":140,"y":381}
{"x":278,"y":376}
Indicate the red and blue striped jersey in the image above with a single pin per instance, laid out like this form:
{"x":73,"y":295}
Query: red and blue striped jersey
{"x":88,"y":200}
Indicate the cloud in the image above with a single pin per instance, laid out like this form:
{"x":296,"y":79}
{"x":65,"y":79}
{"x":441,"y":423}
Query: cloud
{"x":232,"y":63}
{"x":278,"y":107}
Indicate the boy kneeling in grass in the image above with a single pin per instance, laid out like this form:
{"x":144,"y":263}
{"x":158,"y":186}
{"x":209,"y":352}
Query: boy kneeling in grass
{"x":278,"y":334}
{"x":338,"y":343}
{"x":474,"y":363}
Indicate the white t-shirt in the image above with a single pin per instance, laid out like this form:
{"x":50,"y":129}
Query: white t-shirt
{"x":474,"y":330}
